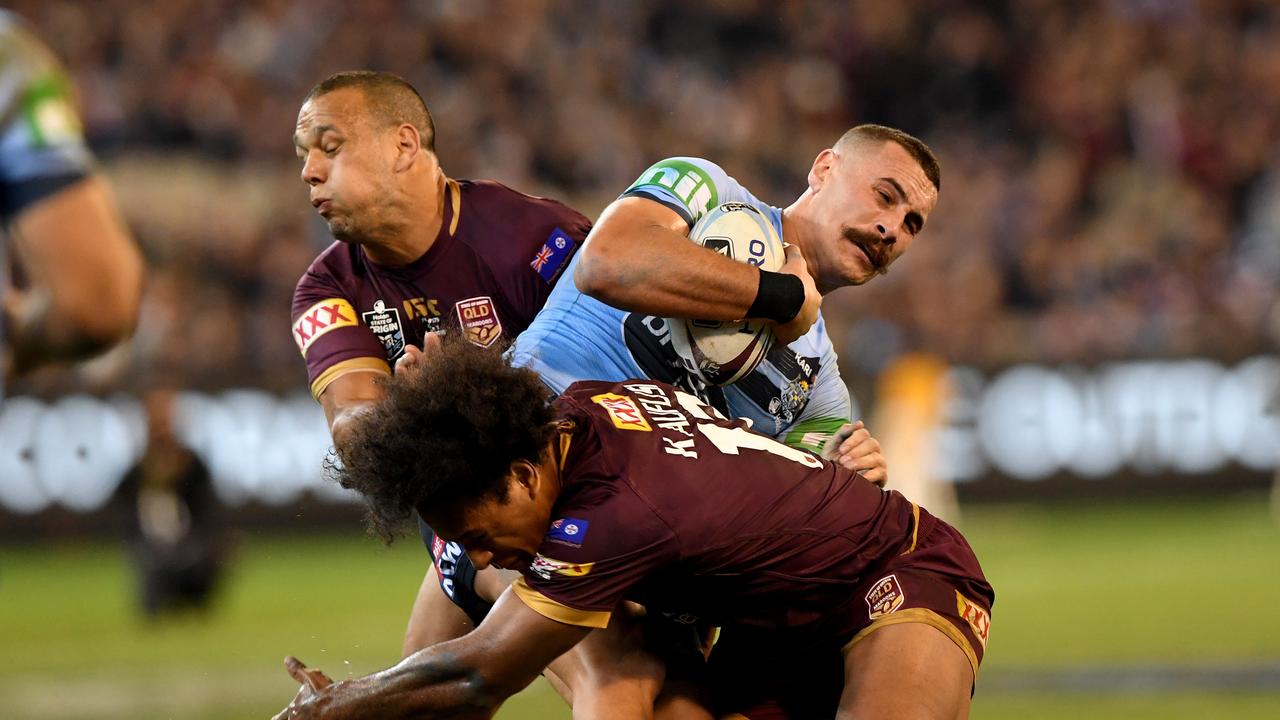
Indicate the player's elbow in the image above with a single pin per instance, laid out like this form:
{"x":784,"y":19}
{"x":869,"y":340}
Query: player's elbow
{"x":103,"y":310}
{"x":487,"y":694}
{"x":600,"y":271}
{"x":346,"y":424}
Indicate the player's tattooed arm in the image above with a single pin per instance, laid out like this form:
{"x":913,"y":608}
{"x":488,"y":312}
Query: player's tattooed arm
{"x":467,"y":677}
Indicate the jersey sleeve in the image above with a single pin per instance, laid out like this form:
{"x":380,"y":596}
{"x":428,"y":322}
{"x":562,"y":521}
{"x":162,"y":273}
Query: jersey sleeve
{"x":689,"y":186}
{"x":830,"y":405}
{"x":601,"y":544}
{"x":555,"y":232}
{"x":42,"y":147}
{"x":582,"y":584}
{"x":329,"y":333}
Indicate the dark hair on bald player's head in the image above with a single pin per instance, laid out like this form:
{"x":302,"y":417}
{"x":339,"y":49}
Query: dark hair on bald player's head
{"x":445,"y":435}
{"x":914,"y":146}
{"x":392,"y":100}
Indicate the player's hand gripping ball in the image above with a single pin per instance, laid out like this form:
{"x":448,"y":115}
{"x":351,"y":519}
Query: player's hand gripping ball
{"x":722,"y":352}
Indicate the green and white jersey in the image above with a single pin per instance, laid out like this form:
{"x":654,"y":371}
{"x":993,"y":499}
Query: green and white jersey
{"x":796,"y":394}
{"x":42,"y":148}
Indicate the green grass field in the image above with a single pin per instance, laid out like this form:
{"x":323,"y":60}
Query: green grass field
{"x":1114,"y":586}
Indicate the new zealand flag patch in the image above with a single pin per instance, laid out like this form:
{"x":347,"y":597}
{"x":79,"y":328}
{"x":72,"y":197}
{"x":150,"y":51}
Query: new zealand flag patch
{"x":553,"y":255}
{"x":568,"y":531}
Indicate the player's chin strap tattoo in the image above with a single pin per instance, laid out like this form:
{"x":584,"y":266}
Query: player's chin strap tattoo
{"x":431,"y":680}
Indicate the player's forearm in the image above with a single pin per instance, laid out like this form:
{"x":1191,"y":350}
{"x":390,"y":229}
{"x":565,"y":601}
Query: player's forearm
{"x":433,"y":682}
{"x":654,"y":270}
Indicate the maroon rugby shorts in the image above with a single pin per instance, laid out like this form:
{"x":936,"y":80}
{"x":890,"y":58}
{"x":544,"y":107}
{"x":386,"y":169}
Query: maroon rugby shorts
{"x":935,"y":580}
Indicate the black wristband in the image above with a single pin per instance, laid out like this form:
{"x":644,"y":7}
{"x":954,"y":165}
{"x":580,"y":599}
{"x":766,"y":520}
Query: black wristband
{"x":779,"y":297}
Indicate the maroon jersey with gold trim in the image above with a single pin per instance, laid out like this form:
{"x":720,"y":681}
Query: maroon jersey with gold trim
{"x":696,"y":516}
{"x":488,"y":273}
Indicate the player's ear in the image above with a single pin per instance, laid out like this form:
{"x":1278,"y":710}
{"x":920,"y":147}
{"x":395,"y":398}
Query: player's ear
{"x":524,"y":478}
{"x":823,"y":166}
{"x":408,"y":143}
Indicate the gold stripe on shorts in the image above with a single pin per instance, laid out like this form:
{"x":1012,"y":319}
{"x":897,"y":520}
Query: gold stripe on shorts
{"x":926,"y":617}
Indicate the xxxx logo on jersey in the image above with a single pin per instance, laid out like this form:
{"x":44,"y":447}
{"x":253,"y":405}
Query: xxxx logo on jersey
{"x":622,"y":411}
{"x":544,"y":567}
{"x":319,"y":319}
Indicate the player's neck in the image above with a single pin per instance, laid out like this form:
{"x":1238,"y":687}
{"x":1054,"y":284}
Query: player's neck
{"x":799,"y":231}
{"x":413,"y":233}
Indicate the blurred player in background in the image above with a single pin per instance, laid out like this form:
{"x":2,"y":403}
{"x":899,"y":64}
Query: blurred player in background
{"x":82,"y":271}
{"x":842,"y":599}
{"x":177,"y":536}
{"x":418,"y":253}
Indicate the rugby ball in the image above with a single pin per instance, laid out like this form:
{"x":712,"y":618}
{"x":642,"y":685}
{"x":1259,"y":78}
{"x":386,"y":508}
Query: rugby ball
{"x":723,"y":352}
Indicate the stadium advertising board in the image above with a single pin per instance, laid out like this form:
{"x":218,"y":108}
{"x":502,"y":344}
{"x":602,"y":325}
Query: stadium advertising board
{"x":1160,"y":419}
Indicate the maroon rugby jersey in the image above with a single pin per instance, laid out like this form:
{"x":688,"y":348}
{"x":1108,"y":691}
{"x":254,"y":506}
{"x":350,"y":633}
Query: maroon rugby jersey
{"x":488,"y":273}
{"x":699,"y":517}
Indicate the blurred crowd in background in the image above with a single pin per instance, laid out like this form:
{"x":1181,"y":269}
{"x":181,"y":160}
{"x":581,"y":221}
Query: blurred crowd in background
{"x":1110,"y":184}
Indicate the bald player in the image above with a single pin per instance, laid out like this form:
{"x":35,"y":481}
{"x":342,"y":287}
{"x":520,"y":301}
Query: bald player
{"x":419,"y":253}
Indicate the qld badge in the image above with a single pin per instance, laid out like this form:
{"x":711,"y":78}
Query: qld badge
{"x":479,"y":320}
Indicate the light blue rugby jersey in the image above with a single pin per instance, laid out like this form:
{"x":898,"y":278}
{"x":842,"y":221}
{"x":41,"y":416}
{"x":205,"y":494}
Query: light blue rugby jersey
{"x":42,"y":148}
{"x":796,"y":394}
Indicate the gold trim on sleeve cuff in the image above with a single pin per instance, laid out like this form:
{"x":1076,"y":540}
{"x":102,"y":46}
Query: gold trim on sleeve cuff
{"x":549,"y":608}
{"x":337,"y":370}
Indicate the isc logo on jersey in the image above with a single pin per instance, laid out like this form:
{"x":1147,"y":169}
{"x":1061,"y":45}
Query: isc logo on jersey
{"x":319,"y":319}
{"x":622,"y":411}
{"x":721,"y":353}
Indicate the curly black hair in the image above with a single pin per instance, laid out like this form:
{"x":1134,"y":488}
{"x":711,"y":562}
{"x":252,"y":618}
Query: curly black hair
{"x":445,"y":434}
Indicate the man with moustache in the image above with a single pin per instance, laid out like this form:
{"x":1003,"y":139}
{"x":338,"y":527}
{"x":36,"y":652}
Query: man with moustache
{"x":868,"y":197}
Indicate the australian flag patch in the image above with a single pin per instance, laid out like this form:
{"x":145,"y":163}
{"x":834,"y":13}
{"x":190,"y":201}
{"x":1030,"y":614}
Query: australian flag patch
{"x":568,"y":531}
{"x":553,"y":255}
